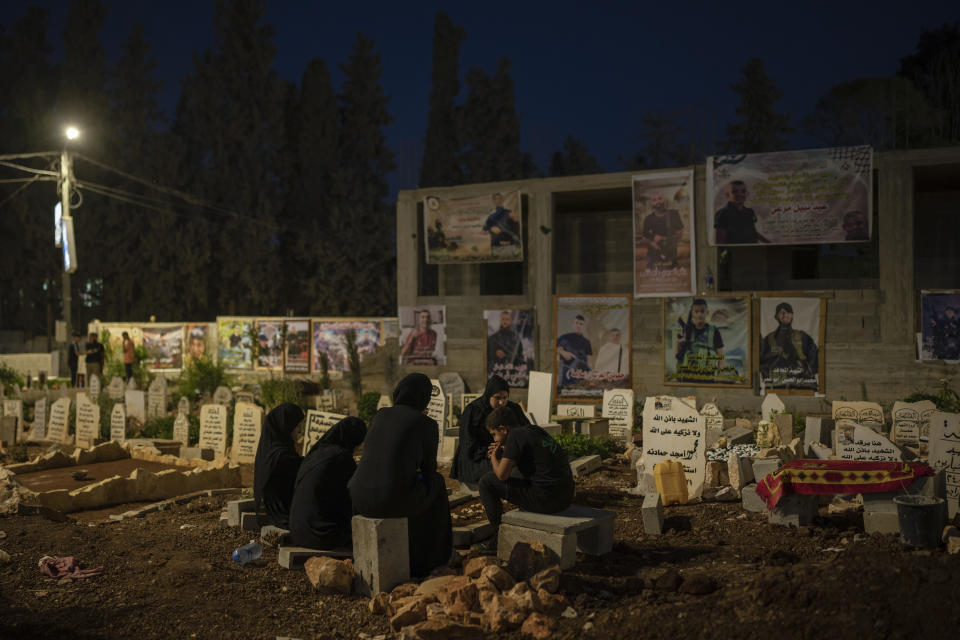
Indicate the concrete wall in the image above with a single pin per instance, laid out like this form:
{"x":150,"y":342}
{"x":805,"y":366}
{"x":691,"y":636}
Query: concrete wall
{"x":870,"y":348}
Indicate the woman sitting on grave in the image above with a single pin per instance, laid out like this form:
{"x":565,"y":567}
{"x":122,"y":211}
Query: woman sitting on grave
{"x":321,"y":510}
{"x":276,"y":465}
{"x":470,"y":460}
{"x":397,"y":475}
{"x":546,"y":485}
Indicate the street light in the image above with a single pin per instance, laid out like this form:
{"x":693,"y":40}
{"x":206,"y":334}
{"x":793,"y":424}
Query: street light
{"x":72,"y":133}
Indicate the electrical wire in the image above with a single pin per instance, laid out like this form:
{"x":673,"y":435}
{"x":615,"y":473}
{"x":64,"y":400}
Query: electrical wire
{"x":17,"y":192}
{"x":42,"y":172}
{"x":34,"y":179}
{"x":37,"y":154}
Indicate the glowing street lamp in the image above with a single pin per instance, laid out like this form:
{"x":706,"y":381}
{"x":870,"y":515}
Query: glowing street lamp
{"x":72,"y":133}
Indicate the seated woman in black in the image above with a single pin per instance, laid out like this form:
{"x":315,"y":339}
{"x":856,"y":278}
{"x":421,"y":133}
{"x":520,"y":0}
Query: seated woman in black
{"x":321,"y":510}
{"x":547,"y":483}
{"x":470,"y":460}
{"x":397,"y":475}
{"x":276,"y":465}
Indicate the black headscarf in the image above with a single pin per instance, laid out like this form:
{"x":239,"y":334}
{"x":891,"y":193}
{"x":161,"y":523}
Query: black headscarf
{"x":470,"y":459}
{"x":413,"y":391}
{"x":275,"y":467}
{"x":495,"y":384}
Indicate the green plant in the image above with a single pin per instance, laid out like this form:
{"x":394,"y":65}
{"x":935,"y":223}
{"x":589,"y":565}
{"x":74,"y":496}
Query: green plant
{"x":276,"y":391}
{"x":163,"y":428}
{"x":367,"y":405}
{"x":106,"y":404}
{"x":324,"y":371}
{"x":113,"y":367}
{"x":353,"y":360}
{"x":612,"y":444}
{"x":9,"y":377}
{"x":799,"y":424}
{"x":946,"y":399}
{"x":578,"y":444}
{"x":202,"y":375}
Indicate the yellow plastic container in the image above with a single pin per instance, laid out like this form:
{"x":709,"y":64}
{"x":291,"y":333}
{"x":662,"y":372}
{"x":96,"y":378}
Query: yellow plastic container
{"x":671,"y":482}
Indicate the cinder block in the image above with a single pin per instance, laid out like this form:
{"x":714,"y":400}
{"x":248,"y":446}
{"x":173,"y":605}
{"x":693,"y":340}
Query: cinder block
{"x":596,"y":428}
{"x":275,"y":535}
{"x":740,"y":472}
{"x":196,"y":453}
{"x":784,"y":424}
{"x":881,"y":521}
{"x":295,"y":557}
{"x":739,"y":435}
{"x":763,"y":466}
{"x":795,"y":510}
{"x":381,"y":556}
{"x":652,"y":514}
{"x":751,"y":501}
{"x":564,"y":545}
{"x":584,"y":465}
{"x":235,"y":508}
{"x":593,"y":528}
{"x":224,"y":520}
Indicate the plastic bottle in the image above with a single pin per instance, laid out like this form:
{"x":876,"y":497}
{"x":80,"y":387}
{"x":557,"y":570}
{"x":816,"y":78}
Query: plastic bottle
{"x":247,"y":553}
{"x":671,"y":482}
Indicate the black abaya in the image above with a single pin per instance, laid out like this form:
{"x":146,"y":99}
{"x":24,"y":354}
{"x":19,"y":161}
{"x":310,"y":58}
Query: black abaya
{"x":276,"y":465}
{"x":397,"y":475}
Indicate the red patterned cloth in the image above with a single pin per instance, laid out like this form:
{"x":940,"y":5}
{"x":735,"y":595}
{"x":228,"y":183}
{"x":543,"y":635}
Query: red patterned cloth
{"x":815,"y":477}
{"x":66,"y":567}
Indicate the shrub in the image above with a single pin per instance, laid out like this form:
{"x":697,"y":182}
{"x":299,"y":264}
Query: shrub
{"x":276,"y":391}
{"x":367,"y":406}
{"x":9,"y":377}
{"x":19,"y":452}
{"x":578,"y":444}
{"x":945,"y":398}
{"x":201,"y":375}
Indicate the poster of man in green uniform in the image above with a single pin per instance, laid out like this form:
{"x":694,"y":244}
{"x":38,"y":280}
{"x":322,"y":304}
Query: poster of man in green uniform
{"x":707,"y":341}
{"x":791,"y":333}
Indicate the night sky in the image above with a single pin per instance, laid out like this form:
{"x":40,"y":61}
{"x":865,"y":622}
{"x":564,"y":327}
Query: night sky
{"x":589,"y":69}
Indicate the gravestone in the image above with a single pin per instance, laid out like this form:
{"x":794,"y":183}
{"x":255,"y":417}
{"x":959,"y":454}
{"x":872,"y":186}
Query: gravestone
{"x":243,"y":396}
{"x":713,"y":423}
{"x":539,"y":396}
{"x":317,"y":424}
{"x":576,"y":410}
{"x":183,"y":405}
{"x":945,"y":455}
{"x":771,"y":403}
{"x":59,"y":419}
{"x":181,"y":429}
{"x":437,"y":408}
{"x":88,"y":421}
{"x":453,"y":386}
{"x":213,"y":428}
{"x":14,"y":408}
{"x":94,"y":387}
{"x":384,"y":402}
{"x":38,"y":431}
{"x":674,"y":430}
{"x":618,"y":408}
{"x":115,"y":389}
{"x":867,"y":414}
{"x":136,"y":404}
{"x":911,"y":421}
{"x":132,"y":384}
{"x":8,"y":430}
{"x":118,"y":422}
{"x":466,"y":399}
{"x":859,"y":442}
{"x":157,"y":398}
{"x":247,"y":420}
{"x":327,"y":402}
{"x":222,"y":396}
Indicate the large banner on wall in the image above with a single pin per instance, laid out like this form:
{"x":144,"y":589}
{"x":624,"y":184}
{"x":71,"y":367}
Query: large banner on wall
{"x":423,"y":335}
{"x":233,"y":342}
{"x":509,"y":345}
{"x":706,"y":341}
{"x":483,"y":228}
{"x":592,"y":351}
{"x":196,"y":335}
{"x":812,"y":196}
{"x":663,"y":260}
{"x":330,"y":337}
{"x":269,"y":344}
{"x":791,"y":344}
{"x":164,"y":345}
{"x":940,"y":322}
{"x":114,"y":343}
{"x":296,"y":356}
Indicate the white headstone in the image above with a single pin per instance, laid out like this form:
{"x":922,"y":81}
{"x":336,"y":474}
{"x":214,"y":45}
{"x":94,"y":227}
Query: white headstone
{"x":183,"y":405}
{"x":867,"y":414}
{"x":453,"y":385}
{"x":94,"y":387}
{"x":59,"y":419}
{"x":12,"y":407}
{"x":945,"y":454}
{"x":576,"y":410}
{"x":618,"y":408}
{"x":181,"y":429}
{"x":539,"y":396}
{"x":771,"y":403}
{"x":115,"y":389}
{"x":157,"y":398}
{"x":118,"y":422}
{"x":911,"y":421}
{"x":384,"y":402}
{"x":213,"y":428}
{"x":38,"y":431}
{"x":136,"y":404}
{"x":317,"y":424}
{"x":88,"y":421}
{"x":244,"y":396}
{"x":859,"y":442}
{"x":247,"y":420}
{"x":132,"y":384}
{"x":222,"y":396}
{"x":675,"y":430}
{"x":713,"y":417}
{"x":437,"y":409}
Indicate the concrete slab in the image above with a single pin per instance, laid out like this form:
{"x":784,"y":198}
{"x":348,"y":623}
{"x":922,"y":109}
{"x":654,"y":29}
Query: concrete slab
{"x":295,"y":557}
{"x":563,"y":545}
{"x":573,"y":519}
{"x":795,"y":510}
{"x":751,"y":501}
{"x":585,"y":464}
{"x":652,"y":514}
{"x":381,"y":556}
{"x":237,"y":507}
{"x":472,"y":534}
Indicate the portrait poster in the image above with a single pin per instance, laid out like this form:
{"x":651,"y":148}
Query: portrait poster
{"x":706,"y":341}
{"x":330,"y":337}
{"x":164,"y":346}
{"x":508,"y":347}
{"x":940,"y":322}
{"x":592,"y":352}
{"x":269,"y":344}
{"x":790,"y":350}
{"x":483,"y":228}
{"x":196,"y":335}
{"x":297,"y":346}
{"x":234,"y":350}
{"x":114,"y":343}
{"x":423,"y":335}
{"x":811,"y":196}
{"x":663,"y":233}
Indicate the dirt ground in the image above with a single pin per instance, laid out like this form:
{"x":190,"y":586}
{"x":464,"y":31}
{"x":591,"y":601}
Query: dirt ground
{"x":716,"y":572}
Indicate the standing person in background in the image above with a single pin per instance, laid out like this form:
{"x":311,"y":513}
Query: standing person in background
{"x":128,"y":356}
{"x":73,"y":358}
{"x":94,"y":356}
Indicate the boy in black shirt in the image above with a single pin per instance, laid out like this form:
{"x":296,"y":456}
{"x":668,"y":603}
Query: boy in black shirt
{"x":546,"y":485}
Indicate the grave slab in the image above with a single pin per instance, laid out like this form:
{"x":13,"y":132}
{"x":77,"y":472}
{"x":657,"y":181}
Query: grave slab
{"x":585,"y":464}
{"x":764,"y":466}
{"x":472,"y":534}
{"x":381,"y":556}
{"x":295,"y":557}
{"x":652,"y":514}
{"x":235,"y":508}
{"x":565,"y":546}
{"x":881,"y":522}
{"x":592,"y":528}
{"x":751,"y":501}
{"x":248,"y":522}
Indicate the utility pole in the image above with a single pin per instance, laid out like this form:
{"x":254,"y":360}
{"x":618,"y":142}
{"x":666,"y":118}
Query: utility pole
{"x":66,"y":184}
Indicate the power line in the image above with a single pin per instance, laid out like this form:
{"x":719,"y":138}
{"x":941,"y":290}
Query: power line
{"x":34,"y":179}
{"x":38,"y":154}
{"x":42,"y":172}
{"x":17,"y":192}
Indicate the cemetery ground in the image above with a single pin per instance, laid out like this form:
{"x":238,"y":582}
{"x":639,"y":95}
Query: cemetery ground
{"x":717,"y":571}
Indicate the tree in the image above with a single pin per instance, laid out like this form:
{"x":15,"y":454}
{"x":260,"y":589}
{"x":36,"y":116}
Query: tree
{"x":759,"y":127}
{"x":439,"y":166}
{"x":573,"y":160}
{"x":491,"y":128}
{"x":935,"y":69}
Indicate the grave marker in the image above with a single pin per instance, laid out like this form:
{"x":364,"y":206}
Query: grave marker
{"x":911,"y":421}
{"x":59,"y":418}
{"x":136,"y":404}
{"x":247,"y":421}
{"x":115,"y":389}
{"x":213,"y":428}
{"x":222,"y":396}
{"x":453,"y":386}
{"x":132,"y":384}
{"x":94,"y":386}
{"x":866,"y":414}
{"x":38,"y":431}
{"x":675,"y":430}
{"x":577,"y":410}
{"x":859,"y":442}
{"x":118,"y":423}
{"x":12,"y":407}
{"x":540,"y":395}
{"x":317,"y":424}
{"x":181,"y":429}
{"x":88,"y":421}
{"x":384,"y":402}
{"x":945,"y":455}
{"x":183,"y":405}
{"x":618,"y":407}
{"x":771,"y":402}
{"x":243,"y":396}
{"x":157,"y":398}
{"x":437,"y":409}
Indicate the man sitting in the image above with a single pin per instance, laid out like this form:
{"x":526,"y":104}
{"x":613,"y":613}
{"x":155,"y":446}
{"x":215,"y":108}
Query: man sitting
{"x":546,"y":485}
